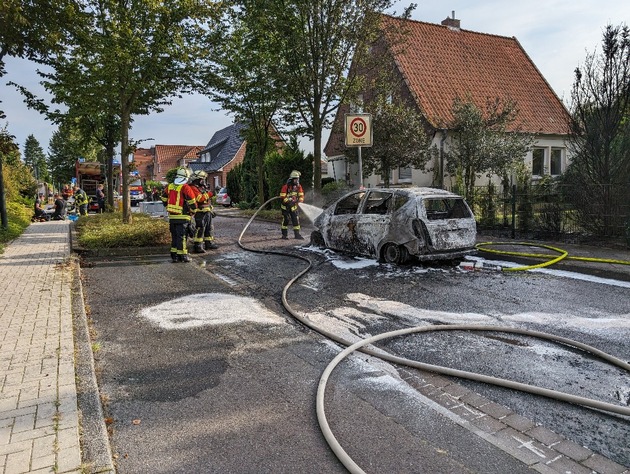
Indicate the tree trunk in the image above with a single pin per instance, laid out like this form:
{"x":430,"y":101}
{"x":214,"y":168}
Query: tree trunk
{"x":317,"y":155}
{"x":124,"y":161}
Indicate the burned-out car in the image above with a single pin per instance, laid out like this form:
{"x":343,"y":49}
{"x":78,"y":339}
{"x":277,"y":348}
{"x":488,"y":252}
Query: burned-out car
{"x":393,"y":225}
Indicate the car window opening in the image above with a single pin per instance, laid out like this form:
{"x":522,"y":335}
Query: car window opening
{"x":438,"y":209}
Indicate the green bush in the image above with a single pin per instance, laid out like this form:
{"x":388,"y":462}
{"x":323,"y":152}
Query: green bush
{"x":18,"y":219}
{"x":108,"y":231}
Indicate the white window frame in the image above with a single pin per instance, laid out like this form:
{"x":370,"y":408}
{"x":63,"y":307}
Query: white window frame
{"x":560,"y":151}
{"x":543,"y":150}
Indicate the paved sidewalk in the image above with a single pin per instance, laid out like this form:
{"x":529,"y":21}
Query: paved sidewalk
{"x":39,"y":419}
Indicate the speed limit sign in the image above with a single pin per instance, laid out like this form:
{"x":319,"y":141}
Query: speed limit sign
{"x":358,"y":129}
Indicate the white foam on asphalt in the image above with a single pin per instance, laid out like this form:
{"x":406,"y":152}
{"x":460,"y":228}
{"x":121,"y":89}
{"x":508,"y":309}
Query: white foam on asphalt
{"x":209,"y":309}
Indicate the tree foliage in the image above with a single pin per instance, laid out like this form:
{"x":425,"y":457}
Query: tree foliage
{"x":484,"y":141}
{"x":66,"y":146}
{"x":600,"y":134}
{"x":279,"y":166}
{"x":32,"y":29}
{"x":399,"y":138}
{"x":245,"y":77}
{"x":35,"y":159}
{"x":317,"y":41}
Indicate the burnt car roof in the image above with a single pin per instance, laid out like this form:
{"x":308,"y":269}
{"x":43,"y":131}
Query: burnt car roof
{"x":419,"y":191}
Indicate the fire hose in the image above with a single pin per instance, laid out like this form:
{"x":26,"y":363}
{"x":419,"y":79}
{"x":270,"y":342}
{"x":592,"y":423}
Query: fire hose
{"x":341,"y":454}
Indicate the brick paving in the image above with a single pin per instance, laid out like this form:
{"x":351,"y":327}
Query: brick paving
{"x":39,"y":419}
{"x":39,"y":416}
{"x":538,"y":447}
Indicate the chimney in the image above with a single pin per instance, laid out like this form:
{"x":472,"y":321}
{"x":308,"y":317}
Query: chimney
{"x":451,"y":22}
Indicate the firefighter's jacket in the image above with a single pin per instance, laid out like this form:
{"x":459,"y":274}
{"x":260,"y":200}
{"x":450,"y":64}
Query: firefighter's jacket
{"x":179,"y":200}
{"x":203,"y":198}
{"x":290,"y":196}
{"x":80,"y":198}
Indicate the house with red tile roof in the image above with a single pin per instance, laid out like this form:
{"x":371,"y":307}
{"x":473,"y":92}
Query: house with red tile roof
{"x":171,"y":156}
{"x":437,"y":64}
{"x":143,"y":162}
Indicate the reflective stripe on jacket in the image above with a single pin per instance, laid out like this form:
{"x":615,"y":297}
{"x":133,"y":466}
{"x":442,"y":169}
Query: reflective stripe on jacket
{"x":290,"y":196}
{"x":180,"y":201}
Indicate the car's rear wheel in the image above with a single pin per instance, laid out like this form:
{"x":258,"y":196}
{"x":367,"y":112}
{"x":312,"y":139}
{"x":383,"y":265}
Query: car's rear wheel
{"x":393,"y":253}
{"x":317,"y":239}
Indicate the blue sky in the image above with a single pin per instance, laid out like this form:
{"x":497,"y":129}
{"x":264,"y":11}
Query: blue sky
{"x":556,"y":34}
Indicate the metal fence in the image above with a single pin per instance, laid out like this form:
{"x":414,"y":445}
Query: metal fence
{"x":576,"y":214}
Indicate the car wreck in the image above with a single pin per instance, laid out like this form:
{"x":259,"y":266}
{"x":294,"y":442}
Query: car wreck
{"x":393,"y":225}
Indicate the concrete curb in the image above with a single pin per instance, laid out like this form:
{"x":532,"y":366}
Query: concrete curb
{"x":96,"y":453}
{"x":95,"y":447}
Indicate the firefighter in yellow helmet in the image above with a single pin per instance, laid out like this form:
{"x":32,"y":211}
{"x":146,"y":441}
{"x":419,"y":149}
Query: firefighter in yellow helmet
{"x":203,"y":239}
{"x":290,"y":195}
{"x":180,"y":203}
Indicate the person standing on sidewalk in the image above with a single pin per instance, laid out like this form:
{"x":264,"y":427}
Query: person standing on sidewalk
{"x":100,"y":198}
{"x":180,"y":202}
{"x":290,"y":195}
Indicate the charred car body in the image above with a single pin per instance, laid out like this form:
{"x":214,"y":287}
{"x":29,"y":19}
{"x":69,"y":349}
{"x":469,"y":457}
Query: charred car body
{"x":393,"y":225}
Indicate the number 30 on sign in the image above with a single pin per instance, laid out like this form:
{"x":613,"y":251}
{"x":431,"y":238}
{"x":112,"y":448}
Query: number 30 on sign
{"x":358,"y":129}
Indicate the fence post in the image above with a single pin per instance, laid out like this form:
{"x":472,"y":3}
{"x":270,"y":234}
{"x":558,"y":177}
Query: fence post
{"x":513,"y":211}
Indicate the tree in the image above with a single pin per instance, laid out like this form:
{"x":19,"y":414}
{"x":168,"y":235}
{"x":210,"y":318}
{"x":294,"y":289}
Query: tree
{"x":7,"y":147}
{"x":317,"y":40}
{"x":32,"y":29}
{"x":66,"y":146}
{"x":399,"y":138}
{"x":245,"y":77}
{"x":279,"y":166}
{"x":35,"y":159}
{"x":484,"y":141}
{"x":599,"y":139}
{"x":130,"y":57}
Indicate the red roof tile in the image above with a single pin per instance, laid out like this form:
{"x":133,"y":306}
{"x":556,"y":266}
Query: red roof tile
{"x":441,"y":63}
{"x":170,"y":156}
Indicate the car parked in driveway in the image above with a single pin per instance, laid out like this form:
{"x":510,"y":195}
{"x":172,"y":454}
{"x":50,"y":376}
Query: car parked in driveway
{"x":223,"y":197}
{"x":393,"y":225}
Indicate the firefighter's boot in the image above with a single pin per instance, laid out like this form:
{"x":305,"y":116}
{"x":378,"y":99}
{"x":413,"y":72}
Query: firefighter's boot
{"x":198,"y":248}
{"x":298,"y":235}
{"x":285,"y":234}
{"x":210,"y":245}
{"x":174,"y":257}
{"x":184,"y":258}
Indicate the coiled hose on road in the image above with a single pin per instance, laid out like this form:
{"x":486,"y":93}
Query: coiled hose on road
{"x":345,"y":459}
{"x":563,"y":254}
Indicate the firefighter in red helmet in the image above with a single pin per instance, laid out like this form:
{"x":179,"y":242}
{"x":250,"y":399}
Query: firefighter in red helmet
{"x":291,"y":195}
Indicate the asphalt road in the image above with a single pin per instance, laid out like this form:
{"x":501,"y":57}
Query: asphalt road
{"x":201,"y":368}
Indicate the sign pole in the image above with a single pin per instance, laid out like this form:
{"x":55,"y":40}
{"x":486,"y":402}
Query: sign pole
{"x":360,"y":169}
{"x":358,"y":133}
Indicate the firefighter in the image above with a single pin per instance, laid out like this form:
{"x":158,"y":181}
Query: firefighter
{"x":179,"y":200}
{"x":81,"y":201}
{"x":290,"y":195}
{"x":204,"y":236}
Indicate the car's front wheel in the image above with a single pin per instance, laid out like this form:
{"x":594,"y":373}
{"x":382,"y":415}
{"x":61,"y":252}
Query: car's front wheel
{"x":393,"y":253}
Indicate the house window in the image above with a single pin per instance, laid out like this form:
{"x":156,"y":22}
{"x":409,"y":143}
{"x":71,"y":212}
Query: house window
{"x":538,"y":162}
{"x":556,"y":162}
{"x":404,"y":174}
